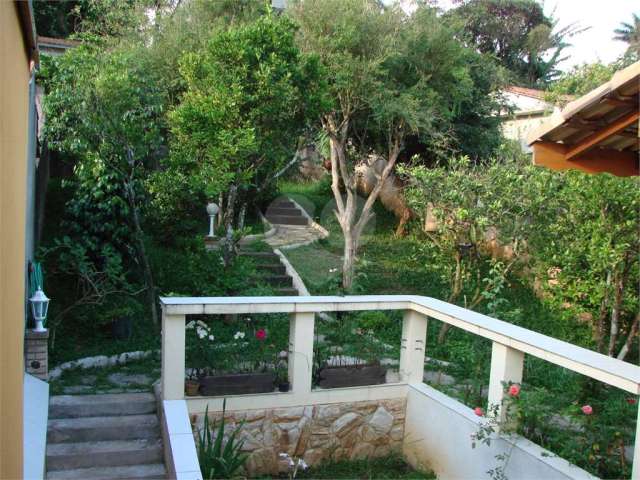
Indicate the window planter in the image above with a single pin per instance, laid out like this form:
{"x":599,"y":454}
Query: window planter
{"x":351,"y":376}
{"x":237,"y":384}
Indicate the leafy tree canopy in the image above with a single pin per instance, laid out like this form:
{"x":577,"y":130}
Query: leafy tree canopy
{"x":249,"y":95}
{"x":518,"y":34}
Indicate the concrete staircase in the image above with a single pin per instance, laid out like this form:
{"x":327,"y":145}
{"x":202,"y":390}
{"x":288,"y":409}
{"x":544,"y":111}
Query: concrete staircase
{"x":272,"y":272}
{"x":285,"y":212}
{"x":111,"y":436}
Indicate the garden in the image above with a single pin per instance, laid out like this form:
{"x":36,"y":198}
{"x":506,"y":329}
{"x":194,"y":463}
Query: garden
{"x":162,"y":109}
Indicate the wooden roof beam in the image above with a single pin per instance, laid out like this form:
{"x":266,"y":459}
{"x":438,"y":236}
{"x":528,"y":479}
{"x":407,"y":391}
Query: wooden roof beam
{"x":553,"y":155}
{"x":600,"y":135}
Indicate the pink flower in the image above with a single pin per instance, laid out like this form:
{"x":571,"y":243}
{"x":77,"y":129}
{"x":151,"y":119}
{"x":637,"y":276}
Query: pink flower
{"x":478,"y":411}
{"x":261,"y":334}
{"x":587,"y":409}
{"x":631,"y":401}
{"x":514,"y":390}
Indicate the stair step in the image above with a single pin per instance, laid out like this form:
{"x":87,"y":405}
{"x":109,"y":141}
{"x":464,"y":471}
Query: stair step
{"x":276,"y":268}
{"x":74,"y":406}
{"x":283,"y":204}
{"x":281,"y":280}
{"x":288,"y":291}
{"x":287,"y":220}
{"x":71,"y":456}
{"x":87,"y":429}
{"x":263,"y":256}
{"x":293,"y":212}
{"x":129,"y":472}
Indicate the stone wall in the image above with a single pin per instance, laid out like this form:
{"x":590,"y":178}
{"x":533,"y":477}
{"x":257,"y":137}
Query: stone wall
{"x":316,"y":433}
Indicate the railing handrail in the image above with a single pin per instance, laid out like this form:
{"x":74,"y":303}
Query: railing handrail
{"x":609,"y":370}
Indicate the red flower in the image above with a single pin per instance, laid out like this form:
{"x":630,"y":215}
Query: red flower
{"x":514,"y":390}
{"x":587,"y":409}
{"x":631,"y":401}
{"x":261,"y":334}
{"x":478,"y":411}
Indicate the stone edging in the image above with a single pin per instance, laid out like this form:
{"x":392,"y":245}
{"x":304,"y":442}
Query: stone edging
{"x":100,"y":361}
{"x":298,"y":284}
{"x":312,"y":223}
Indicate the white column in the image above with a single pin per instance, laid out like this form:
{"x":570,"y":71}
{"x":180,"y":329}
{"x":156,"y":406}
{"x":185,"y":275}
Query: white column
{"x":173,"y":356}
{"x":635,"y":472}
{"x":412,"y":347}
{"x":506,"y":366}
{"x":301,"y":330}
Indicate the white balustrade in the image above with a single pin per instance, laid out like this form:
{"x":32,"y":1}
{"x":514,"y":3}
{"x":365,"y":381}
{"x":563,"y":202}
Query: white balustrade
{"x":510,"y":344}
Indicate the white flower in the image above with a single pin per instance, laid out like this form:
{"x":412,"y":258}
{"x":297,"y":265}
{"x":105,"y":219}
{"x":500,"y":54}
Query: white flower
{"x":291,"y":463}
{"x":201,"y":332}
{"x":283,"y":354}
{"x":211,"y":337}
{"x":333,"y":270}
{"x":302,"y":464}
{"x":190,"y":325}
{"x":202,"y":324}
{"x":283,"y":455}
{"x":248,"y":319}
{"x":238,"y":335}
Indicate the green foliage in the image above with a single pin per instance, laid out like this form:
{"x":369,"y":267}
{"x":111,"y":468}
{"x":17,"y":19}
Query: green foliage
{"x":219,"y":458}
{"x":581,"y":79}
{"x":629,"y":32}
{"x":518,"y":34}
{"x":249,"y":95}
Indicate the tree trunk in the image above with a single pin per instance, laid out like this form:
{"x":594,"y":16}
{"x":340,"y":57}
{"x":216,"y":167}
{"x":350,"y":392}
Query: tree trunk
{"x":615,"y":312}
{"x":221,"y":213}
{"x":602,"y":316}
{"x":633,"y":333}
{"x":142,"y":253}
{"x":456,"y":288}
{"x":241,"y":215}
{"x":348,"y":261}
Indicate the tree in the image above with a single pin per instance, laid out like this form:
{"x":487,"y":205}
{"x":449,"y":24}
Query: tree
{"x":630,"y":33}
{"x":518,"y":34}
{"x":391,"y":77}
{"x":248,"y":97}
{"x":102,"y":107}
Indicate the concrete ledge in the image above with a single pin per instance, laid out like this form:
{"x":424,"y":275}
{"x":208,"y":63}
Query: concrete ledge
{"x":36,"y":413}
{"x":290,"y":399}
{"x":180,"y":455}
{"x":437,"y":437}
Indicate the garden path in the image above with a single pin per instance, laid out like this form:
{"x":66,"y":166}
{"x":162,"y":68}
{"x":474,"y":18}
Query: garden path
{"x":293,"y":226}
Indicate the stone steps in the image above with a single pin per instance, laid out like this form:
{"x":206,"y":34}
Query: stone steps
{"x":74,"y":406}
{"x":111,"y":436}
{"x":93,"y":429}
{"x":65,"y":456}
{"x":274,"y":269}
{"x":287,"y":219}
{"x":129,"y":472}
{"x":285,"y":212}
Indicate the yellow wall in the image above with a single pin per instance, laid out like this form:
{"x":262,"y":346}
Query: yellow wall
{"x":14,"y":103}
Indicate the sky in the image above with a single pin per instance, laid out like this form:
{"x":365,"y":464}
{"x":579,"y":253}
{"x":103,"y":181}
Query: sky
{"x":603,"y":16}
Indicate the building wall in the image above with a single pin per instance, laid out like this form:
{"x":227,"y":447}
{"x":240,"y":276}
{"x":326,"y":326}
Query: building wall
{"x":14,"y":103}
{"x":518,"y":128}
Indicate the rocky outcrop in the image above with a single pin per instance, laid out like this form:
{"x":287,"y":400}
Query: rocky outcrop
{"x":316,"y":433}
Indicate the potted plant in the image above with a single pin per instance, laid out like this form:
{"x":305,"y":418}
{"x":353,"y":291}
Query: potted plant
{"x":282,"y":378}
{"x":236,"y":366}
{"x":192,"y":384}
{"x":354,"y":357}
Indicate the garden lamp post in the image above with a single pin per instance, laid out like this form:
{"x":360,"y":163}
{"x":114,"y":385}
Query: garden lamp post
{"x":212,"y":211}
{"x":39,"y":307}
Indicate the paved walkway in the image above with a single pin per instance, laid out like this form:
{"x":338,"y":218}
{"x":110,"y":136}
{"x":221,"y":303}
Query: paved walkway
{"x":293,"y":235}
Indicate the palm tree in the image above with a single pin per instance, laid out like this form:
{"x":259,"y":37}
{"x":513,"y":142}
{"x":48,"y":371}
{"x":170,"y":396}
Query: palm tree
{"x":630,"y":33}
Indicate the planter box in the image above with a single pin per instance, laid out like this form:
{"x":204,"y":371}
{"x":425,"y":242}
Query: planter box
{"x":352,"y":376}
{"x":237,"y":384}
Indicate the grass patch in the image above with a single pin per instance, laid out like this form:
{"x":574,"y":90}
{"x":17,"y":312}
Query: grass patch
{"x":390,"y":467}
{"x":101,"y":380}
